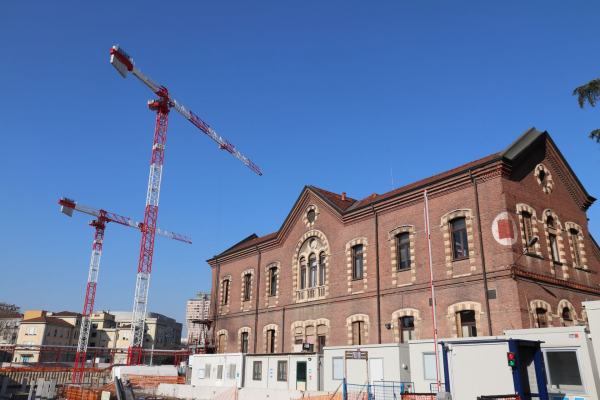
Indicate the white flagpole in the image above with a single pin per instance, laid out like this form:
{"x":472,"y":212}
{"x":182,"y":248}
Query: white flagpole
{"x":435,"y":334}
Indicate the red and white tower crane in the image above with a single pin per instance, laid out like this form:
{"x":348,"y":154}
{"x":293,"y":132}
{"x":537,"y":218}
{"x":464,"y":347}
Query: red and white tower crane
{"x":102,"y":218}
{"x":123,"y":64}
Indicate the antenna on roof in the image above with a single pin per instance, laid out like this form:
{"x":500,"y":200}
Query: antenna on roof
{"x":391,"y":170}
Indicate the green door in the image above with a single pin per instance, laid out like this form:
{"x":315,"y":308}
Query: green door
{"x":301,"y":375}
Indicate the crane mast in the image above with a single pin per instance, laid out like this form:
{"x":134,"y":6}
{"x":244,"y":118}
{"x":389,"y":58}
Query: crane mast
{"x":102,"y":218}
{"x":123,"y":64}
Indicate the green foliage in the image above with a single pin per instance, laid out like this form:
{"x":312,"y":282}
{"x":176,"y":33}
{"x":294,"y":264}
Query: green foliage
{"x":168,"y":360}
{"x":589,"y":92}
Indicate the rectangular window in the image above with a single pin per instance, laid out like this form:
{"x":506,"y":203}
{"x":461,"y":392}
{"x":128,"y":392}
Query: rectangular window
{"x":271,"y":341}
{"x":554,"y":247}
{"x":257,"y":371}
{"x":407,"y":329}
{"x":541,"y":317}
{"x":232,"y":368}
{"x":302,"y":274}
{"x":563,"y":370}
{"x":62,"y":332}
{"x":527,"y":230}
{"x":358,"y":333}
{"x":55,"y":332}
{"x":403,"y":246}
{"x":222,"y":343}
{"x":220,"y":372}
{"x":206,"y":371}
{"x":460,"y":245}
{"x":104,"y":337}
{"x":247,"y":282}
{"x":576,"y":254}
{"x":357,"y":260}
{"x":337,"y":368}
{"x":322,"y":270}
{"x":244,"y":342}
{"x":94,"y":326}
{"x":273,"y":280}
{"x":429,"y":367}
{"x":321,"y":343}
{"x":465,"y":324}
{"x":225,"y":291}
{"x":282,"y":371}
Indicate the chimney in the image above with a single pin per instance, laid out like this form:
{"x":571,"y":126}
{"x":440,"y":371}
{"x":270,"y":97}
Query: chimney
{"x":343,"y":195}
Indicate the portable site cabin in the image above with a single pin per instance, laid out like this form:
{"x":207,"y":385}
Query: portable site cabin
{"x":481,"y":366}
{"x":387,"y":362}
{"x":592,"y":309}
{"x":218,"y":370}
{"x":294,"y":371}
{"x":569,"y":358}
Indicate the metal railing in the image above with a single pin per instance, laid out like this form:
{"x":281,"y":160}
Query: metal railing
{"x":383,"y":390}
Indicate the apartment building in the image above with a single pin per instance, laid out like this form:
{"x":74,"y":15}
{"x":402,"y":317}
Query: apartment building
{"x":510,"y":249}
{"x":9,"y":326}
{"x":197,"y":308}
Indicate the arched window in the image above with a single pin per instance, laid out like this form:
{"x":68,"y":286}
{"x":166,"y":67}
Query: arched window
{"x":466,"y":324}
{"x":552,"y":237}
{"x":271,"y":341}
{"x":566,"y":314}
{"x":225,"y":292}
{"x":460,"y":245}
{"x":403,"y":246}
{"x":244,"y":342}
{"x":575,"y":240}
{"x":357,"y":262}
{"x":247,"y":283}
{"x":542,"y":317}
{"x":312,"y":270}
{"x":303,"y":273}
{"x":273,"y":281}
{"x":528,"y":230}
{"x":407,"y":329}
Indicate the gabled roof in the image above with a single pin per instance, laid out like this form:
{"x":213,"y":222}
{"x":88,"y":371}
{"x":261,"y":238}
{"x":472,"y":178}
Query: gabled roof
{"x":11,"y":316}
{"x":46,"y":320}
{"x":512,"y":155}
{"x":66,"y":314}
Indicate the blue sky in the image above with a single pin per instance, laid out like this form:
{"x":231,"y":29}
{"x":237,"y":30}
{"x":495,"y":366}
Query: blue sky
{"x":321,"y":93}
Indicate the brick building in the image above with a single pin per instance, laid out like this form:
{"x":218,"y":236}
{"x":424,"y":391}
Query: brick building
{"x":343,"y":271}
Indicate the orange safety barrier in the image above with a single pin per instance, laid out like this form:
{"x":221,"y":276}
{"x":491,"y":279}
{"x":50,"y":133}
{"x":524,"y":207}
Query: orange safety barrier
{"x":68,"y":392}
{"x":419,"y":396}
{"x":337,"y":396}
{"x":48,"y":369}
{"x":152,"y":381}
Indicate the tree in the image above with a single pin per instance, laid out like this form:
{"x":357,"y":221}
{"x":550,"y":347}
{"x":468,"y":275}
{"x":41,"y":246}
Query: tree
{"x":589,"y":92}
{"x":168,"y":360}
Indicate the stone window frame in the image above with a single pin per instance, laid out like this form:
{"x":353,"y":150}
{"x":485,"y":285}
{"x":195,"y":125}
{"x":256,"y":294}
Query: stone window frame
{"x":561,"y":305}
{"x":548,"y":186}
{"x":410,"y":229}
{"x":562,"y":255}
{"x":349,"y":258}
{"x":521,"y":207}
{"x":467,"y":214}
{"x":311,"y":207}
{"x":534,"y":305}
{"x":247,"y":271}
{"x":465,"y":306}
{"x":240,"y":331}
{"x":266,"y":328}
{"x":406,"y":312}
{"x":354,"y":318}
{"x":224,"y":308}
{"x":296,"y":259}
{"x":274,"y":264}
{"x":572,"y":225}
{"x":222,"y":332}
{"x":309,"y":322}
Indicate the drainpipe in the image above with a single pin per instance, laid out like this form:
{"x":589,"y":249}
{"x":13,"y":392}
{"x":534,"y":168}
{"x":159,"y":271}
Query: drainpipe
{"x":215,"y":300}
{"x":282,"y":329}
{"x":257,"y":296}
{"x":485,"y":285}
{"x":377,"y":274}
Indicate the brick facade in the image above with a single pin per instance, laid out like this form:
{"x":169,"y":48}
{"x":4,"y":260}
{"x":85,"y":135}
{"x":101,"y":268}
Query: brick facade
{"x":530,"y":176}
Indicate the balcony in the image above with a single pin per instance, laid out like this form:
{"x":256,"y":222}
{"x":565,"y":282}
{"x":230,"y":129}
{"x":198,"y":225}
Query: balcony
{"x":309,"y":294}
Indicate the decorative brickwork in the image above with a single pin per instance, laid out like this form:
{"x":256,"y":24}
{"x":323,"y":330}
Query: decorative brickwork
{"x":219,"y":333}
{"x":537,"y":248}
{"x":349,"y":246}
{"x":224,"y":308}
{"x":298,"y":329}
{"x":580,"y":244}
{"x":358,"y":317}
{"x":309,"y":224}
{"x":560,"y":242}
{"x":240,"y":331}
{"x":559,"y":313}
{"x":534,"y":305}
{"x":463,"y":306}
{"x":272,"y":301}
{"x":269,"y":327}
{"x":410,"y":229}
{"x":445,"y":225}
{"x":312,"y":242}
{"x":246,"y":304}
{"x":548,"y":184}
{"x":406,"y":312}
